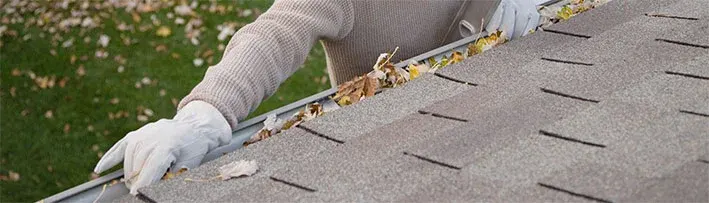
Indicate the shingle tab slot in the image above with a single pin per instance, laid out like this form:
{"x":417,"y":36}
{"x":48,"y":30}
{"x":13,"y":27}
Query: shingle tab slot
{"x":442,"y":116}
{"x":567,"y":62}
{"x":687,"y":75}
{"x":554,"y":135}
{"x":573,"y":193}
{"x":454,"y":80}
{"x":433,"y":161}
{"x":683,"y":43}
{"x":567,"y":95}
{"x":293,"y":184}
{"x":659,"y":15}
{"x":567,"y":33}
{"x":694,"y":113}
{"x":144,"y":198}
{"x":320,"y":135}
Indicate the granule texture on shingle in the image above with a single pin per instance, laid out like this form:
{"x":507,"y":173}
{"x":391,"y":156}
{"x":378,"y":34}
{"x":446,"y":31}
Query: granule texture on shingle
{"x":685,"y":8}
{"x":288,"y":148}
{"x":696,"y":67}
{"x":598,"y":181}
{"x":496,"y":118}
{"x":688,"y":183}
{"x":641,"y":140}
{"x":614,"y":13}
{"x":349,"y":166}
{"x":384,"y":108}
{"x":522,"y":163}
{"x":501,"y":66}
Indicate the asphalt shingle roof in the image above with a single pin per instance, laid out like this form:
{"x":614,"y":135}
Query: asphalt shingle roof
{"x":612,"y":105}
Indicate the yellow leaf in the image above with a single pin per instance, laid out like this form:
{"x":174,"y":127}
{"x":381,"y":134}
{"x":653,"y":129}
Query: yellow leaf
{"x":163,"y":31}
{"x":413,"y":71}
{"x":565,"y":13}
{"x":344,"y":101}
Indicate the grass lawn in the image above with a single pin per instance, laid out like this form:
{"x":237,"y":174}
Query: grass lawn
{"x":62,"y":106}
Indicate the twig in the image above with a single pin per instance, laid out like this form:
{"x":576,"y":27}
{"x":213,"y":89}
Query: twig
{"x":101,"y":194}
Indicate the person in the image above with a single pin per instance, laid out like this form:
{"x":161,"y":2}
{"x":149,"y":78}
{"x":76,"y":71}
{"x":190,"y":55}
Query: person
{"x":261,"y":55}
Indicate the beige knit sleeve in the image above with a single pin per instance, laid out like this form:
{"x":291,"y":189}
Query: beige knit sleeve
{"x":261,"y":55}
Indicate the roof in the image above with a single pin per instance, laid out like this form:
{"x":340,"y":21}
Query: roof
{"x":612,"y":105}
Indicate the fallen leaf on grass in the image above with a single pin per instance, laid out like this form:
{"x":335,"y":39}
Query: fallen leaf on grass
{"x":16,"y":72}
{"x":163,"y":31}
{"x":13,"y":176}
{"x":49,"y":114}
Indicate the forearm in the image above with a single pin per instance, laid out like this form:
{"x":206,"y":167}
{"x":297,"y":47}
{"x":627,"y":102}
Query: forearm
{"x":263,"y":54}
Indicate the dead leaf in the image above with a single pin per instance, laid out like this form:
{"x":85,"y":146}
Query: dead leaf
{"x":67,"y":128}
{"x":14,"y":176}
{"x":163,"y":31}
{"x":49,"y":114}
{"x":16,"y":72}
{"x":238,"y":169}
{"x":115,"y":100}
{"x":81,"y":71}
{"x":62,"y":82}
{"x":161,"y":48}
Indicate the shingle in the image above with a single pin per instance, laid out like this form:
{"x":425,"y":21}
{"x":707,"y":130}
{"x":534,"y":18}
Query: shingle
{"x":385,"y":107}
{"x":453,"y":187}
{"x":612,"y":184}
{"x":525,"y":162}
{"x":265,"y":190}
{"x":646,"y":139}
{"x":291,"y":147}
{"x":497,"y":66}
{"x":390,"y":180}
{"x":689,"y":183}
{"x":614,"y":13}
{"x":496,"y":118}
{"x":657,"y":100}
{"x":353,"y":165}
{"x":685,"y":8}
{"x":618,"y":61}
{"x":697,"y":67}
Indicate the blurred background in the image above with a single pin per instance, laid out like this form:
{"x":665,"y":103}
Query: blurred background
{"x":76,"y":76}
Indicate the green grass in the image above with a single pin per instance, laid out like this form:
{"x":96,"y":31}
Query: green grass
{"x":50,"y":160}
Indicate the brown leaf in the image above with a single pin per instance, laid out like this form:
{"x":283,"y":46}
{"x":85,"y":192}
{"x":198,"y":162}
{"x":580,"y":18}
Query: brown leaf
{"x":14,"y":176}
{"x":370,"y":86}
{"x":49,"y":114}
{"x":81,"y":71}
{"x":12,"y":91}
{"x":16,"y":72}
{"x":161,"y":48}
{"x":67,"y":128}
{"x":63,"y":81}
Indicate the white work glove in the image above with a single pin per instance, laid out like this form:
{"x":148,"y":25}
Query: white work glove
{"x":515,"y":18}
{"x":175,"y":143}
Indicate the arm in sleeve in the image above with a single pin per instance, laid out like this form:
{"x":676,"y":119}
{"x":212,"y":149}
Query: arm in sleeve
{"x":261,"y":55}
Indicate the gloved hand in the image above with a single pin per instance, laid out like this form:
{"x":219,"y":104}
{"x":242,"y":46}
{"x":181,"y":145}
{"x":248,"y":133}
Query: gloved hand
{"x":515,"y":18}
{"x":177,"y":143}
